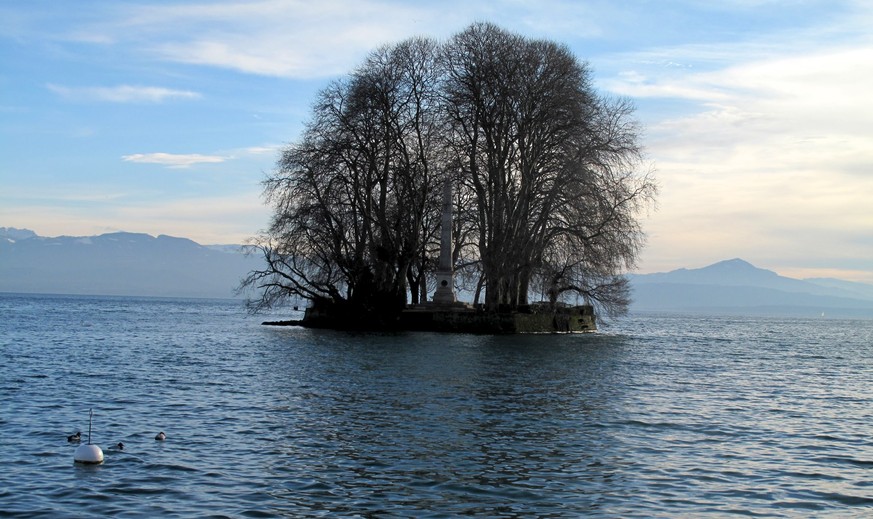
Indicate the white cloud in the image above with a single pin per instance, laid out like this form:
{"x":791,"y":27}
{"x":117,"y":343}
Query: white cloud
{"x":122,"y":93}
{"x":269,"y":149}
{"x":290,"y":38}
{"x":172,"y":160}
{"x":798,"y":113}
{"x":305,"y":39}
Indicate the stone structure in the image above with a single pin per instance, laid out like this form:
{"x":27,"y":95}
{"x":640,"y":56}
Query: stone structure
{"x":445,"y":274}
{"x":538,"y":318}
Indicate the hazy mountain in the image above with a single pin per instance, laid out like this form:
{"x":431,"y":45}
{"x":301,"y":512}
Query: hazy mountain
{"x":860,"y":290}
{"x":12,"y":234}
{"x":738,"y":287}
{"x":118,"y":264}
{"x":139,"y":264}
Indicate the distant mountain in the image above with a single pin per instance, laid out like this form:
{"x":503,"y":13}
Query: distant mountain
{"x":12,"y":234}
{"x":860,"y":290}
{"x":738,"y":287}
{"x":118,"y":264}
{"x":124,"y":263}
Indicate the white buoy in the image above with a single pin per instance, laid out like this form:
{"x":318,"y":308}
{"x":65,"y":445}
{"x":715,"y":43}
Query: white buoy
{"x":89,"y":453}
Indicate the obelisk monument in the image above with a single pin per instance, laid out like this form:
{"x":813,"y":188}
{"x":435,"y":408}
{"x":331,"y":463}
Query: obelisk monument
{"x":445,"y":274}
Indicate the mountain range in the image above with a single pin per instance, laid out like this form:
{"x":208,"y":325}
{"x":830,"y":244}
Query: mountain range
{"x":737,"y":287}
{"x":119,"y":263}
{"x":123,"y":263}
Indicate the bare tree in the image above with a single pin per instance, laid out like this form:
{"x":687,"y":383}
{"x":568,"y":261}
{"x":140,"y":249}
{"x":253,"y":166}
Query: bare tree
{"x":552,"y":167}
{"x":356,"y":200}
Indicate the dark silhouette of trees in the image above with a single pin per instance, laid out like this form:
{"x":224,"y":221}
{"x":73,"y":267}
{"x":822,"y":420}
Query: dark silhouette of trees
{"x":549,"y":180}
{"x":552,"y":168}
{"x":356,"y":200}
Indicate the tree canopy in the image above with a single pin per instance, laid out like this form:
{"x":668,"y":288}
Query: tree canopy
{"x":548,"y":176}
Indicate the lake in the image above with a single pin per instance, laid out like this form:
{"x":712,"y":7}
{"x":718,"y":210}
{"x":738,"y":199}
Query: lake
{"x":653,"y":416}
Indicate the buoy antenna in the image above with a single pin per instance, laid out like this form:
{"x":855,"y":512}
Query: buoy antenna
{"x":90,"y":415}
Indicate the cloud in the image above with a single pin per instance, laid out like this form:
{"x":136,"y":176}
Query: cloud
{"x":122,"y":93}
{"x":793,"y":114}
{"x":173,"y":160}
{"x":268,"y":149}
{"x":304,"y":39}
{"x":288,"y":38}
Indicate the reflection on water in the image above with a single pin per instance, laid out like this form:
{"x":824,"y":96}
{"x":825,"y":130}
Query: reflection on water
{"x":661,"y":416}
{"x":458,"y":426}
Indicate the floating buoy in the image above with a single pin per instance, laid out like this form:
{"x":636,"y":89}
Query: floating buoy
{"x":88,"y":454}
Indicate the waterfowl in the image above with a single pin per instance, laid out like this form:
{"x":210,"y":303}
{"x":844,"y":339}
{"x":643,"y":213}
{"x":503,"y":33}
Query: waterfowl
{"x":161,"y":436}
{"x":75,"y":437}
{"x":119,"y":446}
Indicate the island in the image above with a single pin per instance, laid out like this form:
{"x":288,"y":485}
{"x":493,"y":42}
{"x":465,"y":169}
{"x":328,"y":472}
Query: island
{"x":486,"y":164}
{"x":446,"y":314}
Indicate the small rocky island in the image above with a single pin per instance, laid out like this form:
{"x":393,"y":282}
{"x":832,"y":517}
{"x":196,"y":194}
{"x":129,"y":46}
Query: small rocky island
{"x":461,"y":318}
{"x":465,"y":318}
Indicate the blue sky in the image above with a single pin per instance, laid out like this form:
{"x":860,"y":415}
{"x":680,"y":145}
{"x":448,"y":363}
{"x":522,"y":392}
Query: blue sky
{"x":163,"y":117}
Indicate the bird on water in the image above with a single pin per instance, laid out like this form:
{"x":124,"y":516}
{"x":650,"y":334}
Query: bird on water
{"x":161,"y":436}
{"x":73,"y":438}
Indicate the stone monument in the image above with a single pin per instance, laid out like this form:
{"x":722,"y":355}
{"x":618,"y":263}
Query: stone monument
{"x":445,"y":274}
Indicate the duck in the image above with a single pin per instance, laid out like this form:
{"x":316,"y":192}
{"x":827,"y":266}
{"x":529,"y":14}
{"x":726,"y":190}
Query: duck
{"x":73,"y":438}
{"x":119,"y":446}
{"x":161,"y":436}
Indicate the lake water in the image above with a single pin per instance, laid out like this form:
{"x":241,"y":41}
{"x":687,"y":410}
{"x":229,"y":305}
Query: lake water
{"x":654,"y":416}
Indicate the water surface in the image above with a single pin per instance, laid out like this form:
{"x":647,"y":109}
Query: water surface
{"x":654,"y":416}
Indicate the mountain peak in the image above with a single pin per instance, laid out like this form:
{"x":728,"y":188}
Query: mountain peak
{"x":728,"y":272}
{"x":738,"y":266}
{"x":736,"y":285}
{"x":734,"y":263}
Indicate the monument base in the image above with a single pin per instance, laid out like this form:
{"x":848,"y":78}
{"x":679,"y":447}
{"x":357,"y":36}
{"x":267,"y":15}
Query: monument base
{"x":445,"y":291}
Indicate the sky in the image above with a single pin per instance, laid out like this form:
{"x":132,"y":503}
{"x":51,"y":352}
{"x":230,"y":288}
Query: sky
{"x":163,"y":117}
